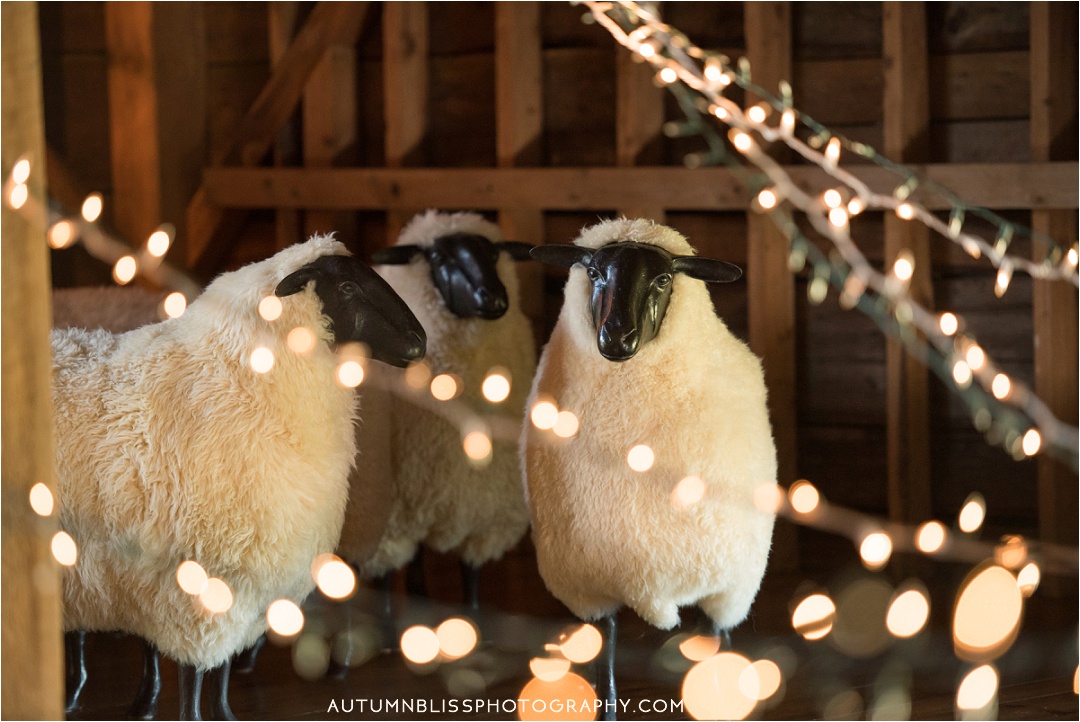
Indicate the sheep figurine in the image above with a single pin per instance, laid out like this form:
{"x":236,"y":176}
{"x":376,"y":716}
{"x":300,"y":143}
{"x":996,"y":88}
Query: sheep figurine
{"x":170,"y":447}
{"x":457,"y":275}
{"x":639,"y":355}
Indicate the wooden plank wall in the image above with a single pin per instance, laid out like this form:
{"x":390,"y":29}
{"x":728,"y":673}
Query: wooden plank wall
{"x":492,"y":89}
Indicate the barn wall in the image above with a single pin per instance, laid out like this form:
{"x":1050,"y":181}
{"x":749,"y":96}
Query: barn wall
{"x":979,"y":109}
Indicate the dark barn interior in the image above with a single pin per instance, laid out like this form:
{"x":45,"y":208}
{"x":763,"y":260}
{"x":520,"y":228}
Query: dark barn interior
{"x":249,"y":126}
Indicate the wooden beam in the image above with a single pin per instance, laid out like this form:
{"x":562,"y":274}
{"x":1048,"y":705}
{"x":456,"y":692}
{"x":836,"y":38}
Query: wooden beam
{"x":329,"y":22}
{"x":1053,"y":136}
{"x":32,"y":680}
{"x":906,"y":129}
{"x":992,"y":185}
{"x":518,"y":125}
{"x":770,"y":286}
{"x":639,"y":120}
{"x":281,"y":21}
{"x":405,"y":92}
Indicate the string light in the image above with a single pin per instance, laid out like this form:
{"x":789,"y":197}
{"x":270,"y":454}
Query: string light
{"x":582,"y":646}
{"x":668,"y":75}
{"x":334,"y":577}
{"x":640,"y":458}
{"x":813,"y":618}
{"x":496,"y":386}
{"x":832,"y":198}
{"x":566,"y":424}
{"x":157,"y":245}
{"x":61,"y":235}
{"x":125,"y":269}
{"x":419,"y":644}
{"x":216,"y":597}
{"x":301,"y":341}
{"x":904,"y":266}
{"x":961,"y":373}
{"x":285,"y":618}
{"x":908,"y":613}
{"x":948,"y":323}
{"x":270,"y":308}
{"x":261,"y":360}
{"x":987,"y":615}
{"x":350,"y":374}
{"x":477,"y":445}
{"x":905,"y":211}
{"x":1001,"y":386}
{"x":457,"y":637}
{"x":1028,"y":579}
{"x":838,"y":217}
{"x":977,"y":689}
{"x":92,"y":207}
{"x":689,"y":491}
{"x":192,"y":578}
{"x":444,"y":387}
{"x":175,"y":304}
{"x":972,"y":514}
{"x":41,"y":499}
{"x":544,"y":415}
{"x":20,"y":172}
{"x":756,"y":113}
{"x":875,"y":550}
{"x":930,"y":537}
{"x":1032,"y":442}
{"x":767,"y":199}
{"x":742,"y":141}
{"x":975,"y":357}
{"x":18,"y":195}
{"x":64,"y":549}
{"x":804,"y":497}
{"x":1001,"y":283}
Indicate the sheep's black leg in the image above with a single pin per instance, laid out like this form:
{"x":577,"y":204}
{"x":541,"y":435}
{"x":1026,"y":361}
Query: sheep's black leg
{"x":470,"y":583}
{"x":190,"y":692}
{"x":217,"y":679}
{"x":245,"y":661}
{"x":605,"y":669}
{"x":709,"y":628}
{"x":386,"y":618}
{"x":415,"y":584}
{"x":339,"y":662}
{"x":75,"y":667}
{"x":146,"y":701}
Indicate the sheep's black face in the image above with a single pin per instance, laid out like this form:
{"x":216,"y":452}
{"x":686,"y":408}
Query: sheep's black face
{"x":631,"y":288}
{"x":361,"y":307}
{"x":463,"y":269}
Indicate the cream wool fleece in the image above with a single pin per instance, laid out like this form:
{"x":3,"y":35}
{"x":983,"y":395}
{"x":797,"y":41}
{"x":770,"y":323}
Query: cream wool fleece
{"x":169,"y":448}
{"x":440,"y":499}
{"x":607,"y":536}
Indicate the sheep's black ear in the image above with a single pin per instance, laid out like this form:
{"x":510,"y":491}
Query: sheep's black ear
{"x":561,"y":254}
{"x":295,"y":282}
{"x":518,"y":251}
{"x":394,"y":255}
{"x":709,"y":270}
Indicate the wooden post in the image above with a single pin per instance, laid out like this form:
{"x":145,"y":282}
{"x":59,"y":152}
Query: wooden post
{"x":33,"y":685}
{"x":770,"y":287}
{"x":906,"y":130}
{"x":157,"y":110}
{"x":329,"y":126}
{"x":639,"y":120}
{"x":1053,"y":107}
{"x":405,"y":91}
{"x":282,"y":18}
{"x":518,"y":124}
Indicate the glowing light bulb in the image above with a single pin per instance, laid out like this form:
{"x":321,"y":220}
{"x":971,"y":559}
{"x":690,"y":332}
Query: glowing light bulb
{"x":175,"y":304}
{"x":1001,"y":283}
{"x":948,"y":323}
{"x":544,"y":415}
{"x":1011,"y":552}
{"x":855,"y":206}
{"x":20,"y":172}
{"x":157,"y":245}
{"x":496,"y":387}
{"x":640,"y":458}
{"x":419,"y":644}
{"x":583,"y":645}
{"x":335,"y":578}
{"x":477,"y":445}
{"x":757,"y":113}
{"x":904,"y":266}
{"x":814,"y":616}
{"x":713,"y":72}
{"x":804,"y":497}
{"x":417,"y":375}
{"x":832,"y":151}
{"x":18,"y":196}
{"x":646,"y":50}
{"x":972,"y":514}
{"x":720,"y":112}
{"x":1028,"y":579}
{"x":699,"y":647}
{"x":908,"y":613}
{"x":192,"y":578}
{"x":41,"y":499}
{"x":285,"y":617}
{"x":270,"y":308}
{"x":444,"y":387}
{"x":723,"y":686}
{"x":875,"y":550}
{"x":350,"y":374}
{"x":1071,"y":257}
{"x":61,"y":234}
{"x":832,"y":198}
{"x":566,"y":424}
{"x":457,"y":637}
{"x":975,"y":357}
{"x":961,"y":373}
{"x":768,"y":498}
{"x":768,"y":676}
{"x":668,"y":75}
{"x":689,"y":491}
{"x":92,"y":207}
{"x":64,"y":549}
{"x":1001,"y":386}
{"x":301,"y":340}
{"x":838,"y":217}
{"x":905,"y":211}
{"x":742,"y":141}
{"x":767,"y":199}
{"x":930,"y":537}
{"x":549,"y":669}
{"x":125,"y":270}
{"x":977,"y":689}
{"x":217,"y":597}
{"x":262,"y":360}
{"x":1032,"y":442}
{"x":787,"y":120}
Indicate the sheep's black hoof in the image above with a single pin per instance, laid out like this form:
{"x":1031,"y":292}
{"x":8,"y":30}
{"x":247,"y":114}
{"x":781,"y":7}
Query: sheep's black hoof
{"x":337,"y":670}
{"x":244,"y":663}
{"x":146,"y":701}
{"x":75,"y":672}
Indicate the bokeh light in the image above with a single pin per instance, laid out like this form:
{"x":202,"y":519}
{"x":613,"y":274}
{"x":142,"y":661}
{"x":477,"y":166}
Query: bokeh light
{"x":417,"y":375}
{"x":457,"y":637}
{"x":905,"y":211}
{"x":1028,"y":579}
{"x":978,"y":688}
{"x":875,"y":550}
{"x":640,"y":458}
{"x":987,"y":614}
{"x":301,"y":340}
{"x":270,"y":308}
{"x":192,"y":578}
{"x":908,"y":612}
{"x":767,"y":199}
{"x":832,"y":198}
{"x":125,"y":269}
{"x":566,"y":425}
{"x":813,"y":618}
{"x":217,"y":597}
{"x":477,"y":445}
{"x":861,"y":609}
{"x":496,"y":386}
{"x":972,"y":514}
{"x":689,"y":491}
{"x":262,"y":359}
{"x":335,"y":579}
{"x":41,"y":499}
{"x":18,"y":196}
{"x":769,"y":678}
{"x":768,"y":498}
{"x":1012,"y":552}
{"x":1001,"y":387}
{"x":549,"y":669}
{"x":804,"y":496}
{"x":699,"y":647}
{"x":285,"y":617}
{"x":716,"y":689}
{"x":1032,"y":442}
{"x":444,"y":387}
{"x":350,"y":374}
{"x":948,"y":323}
{"x":419,"y":644}
{"x":540,"y":700}
{"x":157,"y":245}
{"x":92,"y":207}
{"x":544,"y":415}
{"x":175,"y":304}
{"x":583,"y":644}
{"x":930,"y":537}
{"x":64,"y":549}
{"x":20,"y":172}
{"x":61,"y":234}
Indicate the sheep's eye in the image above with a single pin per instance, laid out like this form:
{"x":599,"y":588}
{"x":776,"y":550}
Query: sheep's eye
{"x":349,"y":289}
{"x":594,"y":275}
{"x":663,"y":281}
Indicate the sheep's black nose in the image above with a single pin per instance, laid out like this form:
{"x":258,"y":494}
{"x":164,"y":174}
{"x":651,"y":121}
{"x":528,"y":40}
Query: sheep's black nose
{"x":490,"y":305}
{"x":616,"y":346}
{"x":416,"y":346}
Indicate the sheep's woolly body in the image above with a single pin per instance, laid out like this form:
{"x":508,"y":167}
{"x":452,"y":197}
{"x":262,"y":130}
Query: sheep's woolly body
{"x":169,"y":447}
{"x":440,"y":499}
{"x":606,"y":535}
